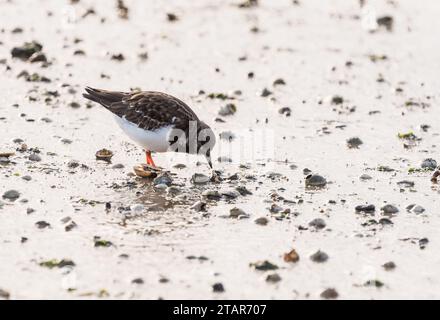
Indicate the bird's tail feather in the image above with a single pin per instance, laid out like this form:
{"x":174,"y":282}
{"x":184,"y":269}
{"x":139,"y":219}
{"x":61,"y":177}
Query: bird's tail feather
{"x":104,"y":97}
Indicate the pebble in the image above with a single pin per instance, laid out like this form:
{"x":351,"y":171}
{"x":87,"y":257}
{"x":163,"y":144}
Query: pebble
{"x":199,"y":206}
{"x":42,"y":224}
{"x":415,"y":209}
{"x":218,"y":287}
{"x":243,"y":191}
{"x":291,"y":256}
{"x":137,"y":281}
{"x":211,"y":194}
{"x":266,"y":92}
{"x":228,"y":110}
{"x":262,"y":221}
{"x":316,"y":181}
{"x":199,"y":178}
{"x":354,"y":143}
{"x":230,"y":194}
{"x":329,"y":294}
{"x":27,"y":178}
{"x":429,"y":164}
{"x":264,"y":266}
{"x":161,"y":186}
{"x":11,"y":195}
{"x":406,"y":184}
{"x":365,"y":177}
{"x":163,"y":179}
{"x":389,"y":209}
{"x":72,"y":164}
{"x":4,"y":294}
{"x":367,"y":208}
{"x":319,"y":257}
{"x":118,"y":166}
{"x":317,"y":223}
{"x":273,"y":278}
{"x":34,"y":157}
{"x":389,"y":266}
{"x":173,"y":191}
{"x":237,"y":213}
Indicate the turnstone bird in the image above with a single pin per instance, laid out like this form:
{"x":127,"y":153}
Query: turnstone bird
{"x":157,"y":121}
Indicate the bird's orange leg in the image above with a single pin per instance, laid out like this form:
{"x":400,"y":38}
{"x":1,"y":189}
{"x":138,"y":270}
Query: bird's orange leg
{"x":150,"y":159}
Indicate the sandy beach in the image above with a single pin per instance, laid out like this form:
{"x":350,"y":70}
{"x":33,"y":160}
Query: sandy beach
{"x":292,"y":89}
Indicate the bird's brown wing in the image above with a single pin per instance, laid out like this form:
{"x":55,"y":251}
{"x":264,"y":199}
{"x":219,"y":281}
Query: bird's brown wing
{"x":149,"y":110}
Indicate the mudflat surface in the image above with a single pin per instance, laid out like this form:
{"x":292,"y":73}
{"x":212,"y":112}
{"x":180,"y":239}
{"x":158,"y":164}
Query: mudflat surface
{"x":339,"y":81}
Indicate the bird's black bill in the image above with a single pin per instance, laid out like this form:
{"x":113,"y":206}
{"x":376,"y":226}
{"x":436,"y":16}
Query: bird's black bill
{"x":209,"y":161}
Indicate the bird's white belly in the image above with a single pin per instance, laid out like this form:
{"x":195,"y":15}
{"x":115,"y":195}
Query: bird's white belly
{"x":156,"y":141}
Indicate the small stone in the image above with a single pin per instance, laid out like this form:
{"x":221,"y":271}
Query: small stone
{"x":415,"y":209}
{"x":199,"y":206}
{"x":211,"y":194}
{"x":385,"y":222}
{"x":319,"y":257}
{"x":199,"y":178}
{"x":274,"y":208}
{"x":354,"y":143}
{"x":243,"y":191}
{"x":264,"y":265}
{"x":262,"y":221}
{"x":27,"y":178}
{"x":137,"y":281}
{"x":230,"y":194}
{"x":30,"y":210}
{"x":163,"y":179}
{"x":315,"y":181}
{"x":429,"y":164}
{"x":266,"y":92}
{"x":368,"y":208}
{"x":228,"y":110}
{"x":285,"y":111}
{"x":34,"y":157}
{"x":389,"y":209}
{"x":273,"y":278}
{"x":173,"y":191}
{"x":291,"y":256}
{"x":317,"y":223}
{"x":218,"y":287}
{"x":72,"y":164}
{"x":42,"y":224}
{"x":279,"y":82}
{"x":335,"y":100}
{"x":423,"y":242}
{"x":406,"y":184}
{"x":118,"y":166}
{"x":389,"y":266}
{"x":374,"y":283}
{"x":11,"y":195}
{"x":236,"y":212}
{"x":4,"y":294}
{"x":329,"y":294}
{"x":365,"y":177}
{"x":37,"y":57}
{"x":26,"y":50}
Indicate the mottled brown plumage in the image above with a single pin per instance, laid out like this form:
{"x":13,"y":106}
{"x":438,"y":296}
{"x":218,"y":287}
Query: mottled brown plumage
{"x":149,"y":110}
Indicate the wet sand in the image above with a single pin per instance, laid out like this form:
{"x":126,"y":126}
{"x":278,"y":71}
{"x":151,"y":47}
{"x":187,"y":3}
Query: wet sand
{"x":151,"y":243}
